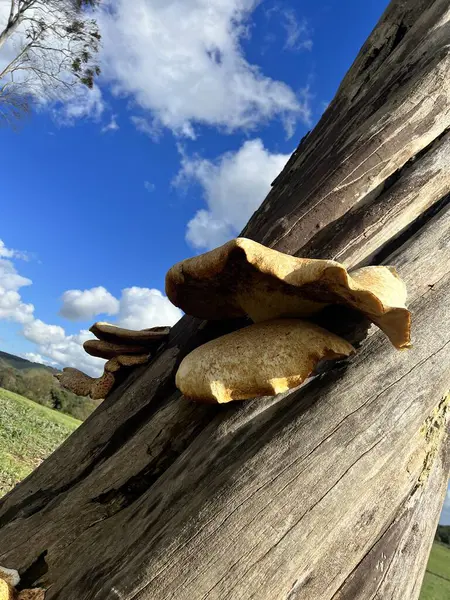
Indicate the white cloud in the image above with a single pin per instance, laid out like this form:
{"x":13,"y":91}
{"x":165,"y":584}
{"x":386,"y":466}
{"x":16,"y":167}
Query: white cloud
{"x":37,"y":358}
{"x":149,"y":186}
{"x":84,"y":103}
{"x":10,"y":253}
{"x":40,"y":333}
{"x":447,"y":500}
{"x":56,"y":346}
{"x":183,"y":60}
{"x":11,"y":306}
{"x":111,"y":126}
{"x":297,"y":32}
{"x":9,"y":278}
{"x":13,"y":309}
{"x":137,"y":308}
{"x":80,"y":305}
{"x":233,"y":187}
{"x":141,"y":308}
{"x":149,"y":127}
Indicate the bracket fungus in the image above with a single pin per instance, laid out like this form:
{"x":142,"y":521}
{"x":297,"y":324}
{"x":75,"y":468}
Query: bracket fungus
{"x":243,"y":277}
{"x":108,"y":350}
{"x":118,"y":335}
{"x":124,"y":349}
{"x":259,"y":360}
{"x":9,"y":580}
{"x":99,"y":387}
{"x":277,"y":291}
{"x":6,"y":592}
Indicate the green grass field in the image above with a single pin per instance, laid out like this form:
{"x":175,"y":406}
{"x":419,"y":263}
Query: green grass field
{"x":29,"y":432}
{"x":436,"y":583}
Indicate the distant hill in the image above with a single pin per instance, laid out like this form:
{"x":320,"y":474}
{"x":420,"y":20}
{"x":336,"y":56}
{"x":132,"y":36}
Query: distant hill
{"x":22,"y":363}
{"x":37,"y":382}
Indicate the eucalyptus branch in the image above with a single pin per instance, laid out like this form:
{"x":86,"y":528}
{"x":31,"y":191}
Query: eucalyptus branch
{"x":57,"y":43}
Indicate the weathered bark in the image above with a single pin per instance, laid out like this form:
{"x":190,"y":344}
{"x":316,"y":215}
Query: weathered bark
{"x":329,"y":492}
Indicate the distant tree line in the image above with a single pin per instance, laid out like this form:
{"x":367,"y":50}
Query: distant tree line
{"x":40,"y":385}
{"x":443,"y":534}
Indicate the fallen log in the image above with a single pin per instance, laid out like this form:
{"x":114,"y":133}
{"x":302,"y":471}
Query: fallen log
{"x":332,"y":491}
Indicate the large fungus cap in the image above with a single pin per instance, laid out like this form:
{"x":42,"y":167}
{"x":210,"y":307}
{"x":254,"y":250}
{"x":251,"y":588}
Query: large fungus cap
{"x":6,"y":592}
{"x":75,"y":381}
{"x":263,"y":359}
{"x":243,"y":277}
{"x":108,"y":350}
{"x":118,"y":335}
{"x":81,"y":384}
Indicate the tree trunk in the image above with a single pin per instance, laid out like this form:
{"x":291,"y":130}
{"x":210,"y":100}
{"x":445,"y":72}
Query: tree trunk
{"x":333,"y":490}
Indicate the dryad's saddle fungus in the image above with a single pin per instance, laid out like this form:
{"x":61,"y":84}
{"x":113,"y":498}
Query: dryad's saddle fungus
{"x":98,"y":388}
{"x":243,"y":277}
{"x":125,"y":348}
{"x":6,"y":592}
{"x":118,"y":335}
{"x":109,"y":350}
{"x":263,"y":359}
{"x":32,"y":594}
{"x":9,"y":579}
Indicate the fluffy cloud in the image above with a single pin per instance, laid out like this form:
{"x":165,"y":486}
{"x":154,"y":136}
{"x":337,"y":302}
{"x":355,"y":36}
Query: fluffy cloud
{"x":9,"y":253}
{"x":183,"y":60}
{"x":142,"y":307}
{"x":37,"y":358}
{"x":83,"y":103}
{"x":58,"y":348}
{"x":13,"y":309}
{"x":11,"y":306}
{"x":233,"y":187}
{"x":137,"y":308}
{"x":80,"y":305}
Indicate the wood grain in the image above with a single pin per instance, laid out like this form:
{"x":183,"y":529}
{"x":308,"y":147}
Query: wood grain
{"x":331,"y":491}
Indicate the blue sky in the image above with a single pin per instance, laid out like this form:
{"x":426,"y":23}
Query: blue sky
{"x":198,"y":108}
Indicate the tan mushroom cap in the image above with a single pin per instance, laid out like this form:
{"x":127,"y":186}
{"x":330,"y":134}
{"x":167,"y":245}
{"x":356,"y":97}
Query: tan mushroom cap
{"x":99,"y":387}
{"x":109,"y":350}
{"x":6,"y":592}
{"x":75,"y":381}
{"x":263,"y":359}
{"x":125,"y":360}
{"x":118,"y":335}
{"x":81,"y":384}
{"x":32,"y":594}
{"x":243,"y":277}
